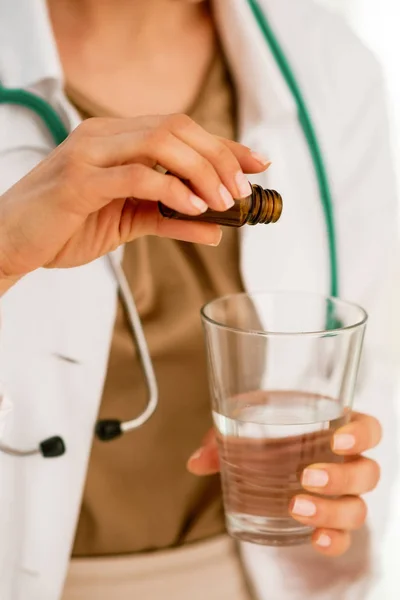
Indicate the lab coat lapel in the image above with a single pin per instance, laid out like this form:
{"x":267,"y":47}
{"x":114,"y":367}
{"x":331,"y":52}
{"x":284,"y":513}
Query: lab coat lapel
{"x":262,"y":92}
{"x":60,"y":341}
{"x":281,"y":256}
{"x":61,"y":346}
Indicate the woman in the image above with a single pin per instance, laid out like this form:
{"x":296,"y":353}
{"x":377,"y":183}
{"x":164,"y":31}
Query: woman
{"x":66,"y":333}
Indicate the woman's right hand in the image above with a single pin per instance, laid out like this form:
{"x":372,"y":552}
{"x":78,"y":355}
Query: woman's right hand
{"x":99,"y":189}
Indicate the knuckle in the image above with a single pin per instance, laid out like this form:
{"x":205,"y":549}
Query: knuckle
{"x":330,"y":513}
{"x":375,"y":474}
{"x":341,"y":541}
{"x":137,"y":173}
{"x":95,"y":125}
{"x":339,"y":479}
{"x":179,"y":122}
{"x":223,"y":154}
{"x":158,"y":137}
{"x":75,"y":146}
{"x":361,"y":513}
{"x":203,"y":167}
{"x":81,"y":147}
{"x":346,"y":479}
{"x":75,"y":177}
{"x":172,"y":187}
{"x":86,"y":127}
{"x":89,"y":127}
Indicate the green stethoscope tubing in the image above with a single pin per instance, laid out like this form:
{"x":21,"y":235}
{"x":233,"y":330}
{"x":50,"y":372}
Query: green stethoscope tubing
{"x":43,"y":109}
{"x":310,"y":136}
{"x":59,"y":132}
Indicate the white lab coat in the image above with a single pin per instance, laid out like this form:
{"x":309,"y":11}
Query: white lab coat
{"x":53,"y":315}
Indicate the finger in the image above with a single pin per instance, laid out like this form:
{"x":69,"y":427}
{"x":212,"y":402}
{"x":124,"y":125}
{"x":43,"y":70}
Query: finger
{"x":111,"y":126}
{"x":331,"y":542}
{"x":227,"y":156}
{"x":101,"y":126}
{"x":166,"y":150}
{"x":356,"y":477}
{"x":249,"y":160}
{"x":199,"y":139}
{"x":205,"y":461}
{"x":139,"y":181}
{"x":223,"y":157}
{"x":361,"y":434}
{"x":143,"y":218}
{"x":348,"y":512}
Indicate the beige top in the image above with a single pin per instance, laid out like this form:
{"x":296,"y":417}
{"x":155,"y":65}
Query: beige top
{"x":139,"y":495}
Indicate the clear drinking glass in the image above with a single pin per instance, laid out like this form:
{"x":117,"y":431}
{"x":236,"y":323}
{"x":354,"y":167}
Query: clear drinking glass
{"x":282,"y":370}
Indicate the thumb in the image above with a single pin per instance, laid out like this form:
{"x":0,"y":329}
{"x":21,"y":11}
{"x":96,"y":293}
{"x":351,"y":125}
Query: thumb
{"x":205,"y":461}
{"x":142,"y":217}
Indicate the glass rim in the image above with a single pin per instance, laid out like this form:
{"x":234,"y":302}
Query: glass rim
{"x":262,"y":333}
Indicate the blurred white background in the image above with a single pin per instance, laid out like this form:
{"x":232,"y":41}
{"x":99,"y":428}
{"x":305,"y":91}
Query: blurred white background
{"x":376,"y":23}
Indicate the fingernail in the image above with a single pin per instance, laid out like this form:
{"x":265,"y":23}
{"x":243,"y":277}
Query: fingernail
{"x":217,"y":239}
{"x":196,"y":455}
{"x":226,"y":196}
{"x":198,"y":203}
{"x":324,"y":541}
{"x":265,"y":162}
{"x":343,"y":441}
{"x":243,"y":184}
{"x":314,"y":478}
{"x":304,"y":508}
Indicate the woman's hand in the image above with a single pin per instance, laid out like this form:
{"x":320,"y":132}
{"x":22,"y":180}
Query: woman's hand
{"x":99,"y":189}
{"x":333,"y":519}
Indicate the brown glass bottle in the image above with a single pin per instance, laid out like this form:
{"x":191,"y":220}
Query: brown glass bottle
{"x":261,"y":206}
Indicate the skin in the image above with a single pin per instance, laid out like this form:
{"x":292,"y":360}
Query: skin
{"x":333,"y":519}
{"x":99,"y":190}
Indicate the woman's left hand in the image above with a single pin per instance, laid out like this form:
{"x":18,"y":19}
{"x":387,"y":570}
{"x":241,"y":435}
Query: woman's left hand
{"x":333,"y":518}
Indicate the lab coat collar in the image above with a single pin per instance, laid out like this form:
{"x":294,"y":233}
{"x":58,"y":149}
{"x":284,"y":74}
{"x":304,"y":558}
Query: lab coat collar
{"x":29,"y":56}
{"x":262,"y":90}
{"x":28,"y":53}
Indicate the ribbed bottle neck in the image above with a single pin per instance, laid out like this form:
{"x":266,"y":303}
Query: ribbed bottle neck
{"x":266,"y":206}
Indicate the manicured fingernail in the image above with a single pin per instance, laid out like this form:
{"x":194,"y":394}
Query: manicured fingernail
{"x":217,"y":240}
{"x":226,"y":196}
{"x":324,"y":541}
{"x":198,"y":203}
{"x":343,"y":441}
{"x":196,"y":455}
{"x":243,"y":184}
{"x":314,"y":478}
{"x":265,"y":162}
{"x":304,"y":508}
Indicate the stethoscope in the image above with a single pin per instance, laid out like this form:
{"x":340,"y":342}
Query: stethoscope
{"x":113,"y":428}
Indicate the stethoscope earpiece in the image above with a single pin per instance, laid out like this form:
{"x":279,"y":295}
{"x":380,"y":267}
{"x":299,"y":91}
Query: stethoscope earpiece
{"x":108,"y":429}
{"x":52,"y":447}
